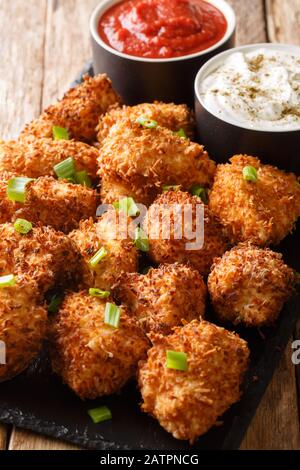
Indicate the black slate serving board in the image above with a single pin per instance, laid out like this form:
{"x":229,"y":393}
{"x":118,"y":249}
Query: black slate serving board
{"x":37,"y":400}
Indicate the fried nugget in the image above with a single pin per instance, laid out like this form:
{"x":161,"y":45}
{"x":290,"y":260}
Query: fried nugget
{"x":114,"y":188}
{"x":150,"y":158}
{"x":57,"y":203}
{"x":94,"y":358}
{"x":262,"y":212}
{"x":49,"y":258}
{"x":36,"y":157}
{"x":170,"y":115}
{"x":164,"y":297}
{"x":188,"y":403}
{"x":78,"y":111}
{"x":22,"y":326}
{"x":249,"y":285}
{"x":7,"y":207}
{"x":173,"y":221}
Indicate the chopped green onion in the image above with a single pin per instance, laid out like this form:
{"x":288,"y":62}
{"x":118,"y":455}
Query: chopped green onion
{"x":16,"y":188}
{"x":65,"y":169}
{"x":146,"y":122}
{"x":171,"y":187}
{"x":7,"y":281}
{"x":81,"y":177}
{"x":100,"y":414}
{"x":60,"y":133}
{"x":112,"y":315}
{"x":141,"y":240}
{"x":181,"y":133}
{"x":201,"y":192}
{"x":250,"y":173}
{"x":98,"y":257}
{"x":99,"y":293}
{"x":22,"y":226}
{"x":177,"y":360}
{"x":54,"y":304}
{"x":128,"y":206}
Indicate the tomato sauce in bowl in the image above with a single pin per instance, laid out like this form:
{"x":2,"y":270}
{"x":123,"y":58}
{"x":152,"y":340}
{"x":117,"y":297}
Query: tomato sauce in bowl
{"x":161,"y":29}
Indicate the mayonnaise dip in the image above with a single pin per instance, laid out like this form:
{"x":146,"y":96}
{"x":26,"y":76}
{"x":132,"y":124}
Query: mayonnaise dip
{"x":258,"y":89}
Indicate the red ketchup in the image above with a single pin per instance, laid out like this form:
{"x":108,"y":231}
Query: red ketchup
{"x":162,"y":28}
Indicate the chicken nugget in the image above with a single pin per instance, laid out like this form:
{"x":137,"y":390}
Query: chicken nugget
{"x":164,"y":297}
{"x":7,"y":207}
{"x":114,"y":188}
{"x":92,"y":357}
{"x":170,"y":115}
{"x":36,"y":157}
{"x":263,"y":211}
{"x":173,"y":224}
{"x":250,"y":285}
{"x":188,"y":402}
{"x":78,"y":111}
{"x":120,"y":254}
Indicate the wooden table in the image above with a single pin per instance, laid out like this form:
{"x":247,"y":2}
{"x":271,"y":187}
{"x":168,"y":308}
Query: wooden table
{"x":44,"y":45}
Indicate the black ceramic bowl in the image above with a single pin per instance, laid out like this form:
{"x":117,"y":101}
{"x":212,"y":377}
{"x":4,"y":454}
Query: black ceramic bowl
{"x":224,"y":139}
{"x":143,"y":80}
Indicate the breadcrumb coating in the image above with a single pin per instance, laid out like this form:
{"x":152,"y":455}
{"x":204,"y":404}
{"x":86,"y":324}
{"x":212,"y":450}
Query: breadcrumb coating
{"x":250,"y":285}
{"x":170,"y":115}
{"x":164,"y":297}
{"x":93,"y":358}
{"x":122,"y":256}
{"x":163,"y":216}
{"x":261,"y":212}
{"x":36,"y":157}
{"x":7,"y":207}
{"x":114,"y":188}
{"x":78,"y":111}
{"x":188,"y":403}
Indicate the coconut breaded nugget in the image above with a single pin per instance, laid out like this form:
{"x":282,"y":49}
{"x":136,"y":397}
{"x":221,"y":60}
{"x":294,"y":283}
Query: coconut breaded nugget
{"x":121,"y":254}
{"x":37,"y":157}
{"x":23,"y":322}
{"x":170,"y":115}
{"x":7,"y":207}
{"x":249,"y":285}
{"x":147,"y":158}
{"x":94,"y":358}
{"x":48,"y":258}
{"x":164,"y":297}
{"x":78,"y":111}
{"x":188,"y":403}
{"x":58,"y":203}
{"x":114,"y":188}
{"x":171,"y":225}
{"x":262,"y":212}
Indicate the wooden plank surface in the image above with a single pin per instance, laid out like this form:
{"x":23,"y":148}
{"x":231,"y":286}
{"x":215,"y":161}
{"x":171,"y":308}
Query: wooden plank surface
{"x":50,"y":45}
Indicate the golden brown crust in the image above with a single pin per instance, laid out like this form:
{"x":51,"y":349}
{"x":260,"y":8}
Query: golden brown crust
{"x":170,"y":115}
{"x":187,"y":404}
{"x":249,"y":285}
{"x":93,"y":358}
{"x":78,"y":111}
{"x":163,"y":298}
{"x":114,"y":188}
{"x":172,"y":249}
{"x":263,"y":212}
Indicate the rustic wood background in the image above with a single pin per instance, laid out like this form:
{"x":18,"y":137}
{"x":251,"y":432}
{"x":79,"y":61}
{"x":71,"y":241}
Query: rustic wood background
{"x":44,"y":43}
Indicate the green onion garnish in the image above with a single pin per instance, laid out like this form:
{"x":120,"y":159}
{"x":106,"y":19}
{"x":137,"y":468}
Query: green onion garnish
{"x":81,"y":177}
{"x":16,"y":188}
{"x":103,"y":294}
{"x":177,"y":360}
{"x":128,"y":206}
{"x":7,"y":281}
{"x":54,"y":304}
{"x":22,"y":226}
{"x":141,"y":240}
{"x":146,"y":122}
{"x":112,"y":315}
{"x":98,"y":257}
{"x":171,"y":187}
{"x":250,"y":173}
{"x":181,"y":133}
{"x":100,"y":414}
{"x":201,"y":192}
{"x":60,"y":133}
{"x":65,"y":169}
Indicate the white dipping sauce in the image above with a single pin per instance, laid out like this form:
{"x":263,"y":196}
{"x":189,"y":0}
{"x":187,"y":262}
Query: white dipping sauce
{"x":258,"y":89}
